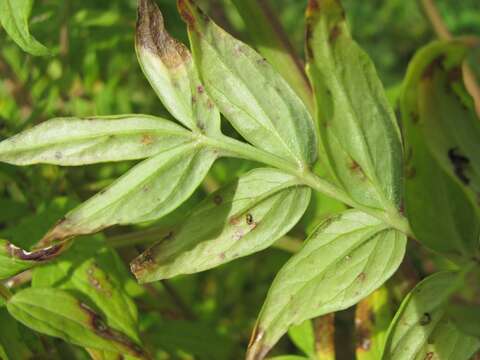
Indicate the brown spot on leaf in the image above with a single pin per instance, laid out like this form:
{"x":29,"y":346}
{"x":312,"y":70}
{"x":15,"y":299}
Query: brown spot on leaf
{"x":143,"y":263}
{"x":151,"y":35}
{"x":459,"y":163}
{"x":217,"y":199}
{"x":249,"y":219}
{"x":147,"y":139}
{"x":429,"y":355}
{"x":425,"y":319}
{"x":361,"y":277}
{"x":200,"y":89}
{"x":100,"y":328}
{"x":335,"y":32}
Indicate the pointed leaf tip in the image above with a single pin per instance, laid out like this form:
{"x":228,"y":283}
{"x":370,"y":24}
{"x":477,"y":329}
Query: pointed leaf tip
{"x":152,"y":35}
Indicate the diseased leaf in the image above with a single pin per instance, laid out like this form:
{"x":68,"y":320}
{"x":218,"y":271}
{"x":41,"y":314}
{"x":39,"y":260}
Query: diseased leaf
{"x":57,"y":313}
{"x":372,"y":318}
{"x":442,"y":214}
{"x":14,"y":260}
{"x":14,"y":16}
{"x":256,"y":100}
{"x":240,"y":219}
{"x":93,"y":277}
{"x":76,"y":141}
{"x":420,"y":329}
{"x":169,"y":68}
{"x":357,"y":125}
{"x":147,"y":192}
{"x":344,"y":260}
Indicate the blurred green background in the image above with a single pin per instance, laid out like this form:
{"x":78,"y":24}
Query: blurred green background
{"x":94,"y":72}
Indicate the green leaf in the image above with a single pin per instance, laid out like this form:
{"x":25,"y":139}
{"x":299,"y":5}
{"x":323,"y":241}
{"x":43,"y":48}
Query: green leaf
{"x":147,"y":192}
{"x":289,"y":357}
{"x":169,"y":68}
{"x":268,"y":36}
{"x":443,"y":216}
{"x":420,"y":329}
{"x":372,"y":318}
{"x":57,"y":313}
{"x":358,"y":127}
{"x":303,"y":337}
{"x":76,"y":141}
{"x":14,"y":260}
{"x":344,"y":260}
{"x":95,"y":278}
{"x":240,"y":219}
{"x":14,"y":16}
{"x":257,"y":101}
{"x":12,"y":346}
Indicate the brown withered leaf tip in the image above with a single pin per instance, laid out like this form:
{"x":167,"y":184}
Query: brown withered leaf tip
{"x":103,"y":330}
{"x":257,"y":350}
{"x":151,"y":35}
{"x":38,"y":255}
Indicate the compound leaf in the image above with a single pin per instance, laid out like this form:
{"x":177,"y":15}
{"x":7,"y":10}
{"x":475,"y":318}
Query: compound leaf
{"x":240,"y":219}
{"x":249,"y":92}
{"x":76,"y":141}
{"x":344,"y":260}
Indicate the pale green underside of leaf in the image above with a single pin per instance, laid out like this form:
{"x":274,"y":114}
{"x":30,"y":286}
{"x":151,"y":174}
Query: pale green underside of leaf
{"x":240,"y":219}
{"x":76,"y":141}
{"x":262,"y":26}
{"x":169,"y":68}
{"x":358,"y":127}
{"x":57,"y":313}
{"x":256,"y":100}
{"x":91,"y":279}
{"x":10,"y":265}
{"x":147,"y":192}
{"x":14,"y":16}
{"x":344,"y":260}
{"x":421,"y":329}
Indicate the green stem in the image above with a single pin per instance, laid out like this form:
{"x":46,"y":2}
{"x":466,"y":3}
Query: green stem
{"x":5,"y":293}
{"x":235,"y":148}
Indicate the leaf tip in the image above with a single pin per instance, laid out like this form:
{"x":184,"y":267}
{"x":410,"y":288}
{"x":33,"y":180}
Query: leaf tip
{"x":257,"y":349}
{"x":152,"y":36}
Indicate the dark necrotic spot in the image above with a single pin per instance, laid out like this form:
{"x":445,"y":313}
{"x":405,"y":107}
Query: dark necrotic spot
{"x":249,"y":219}
{"x":217,"y":199}
{"x":425,"y":319}
{"x":459,"y":163}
